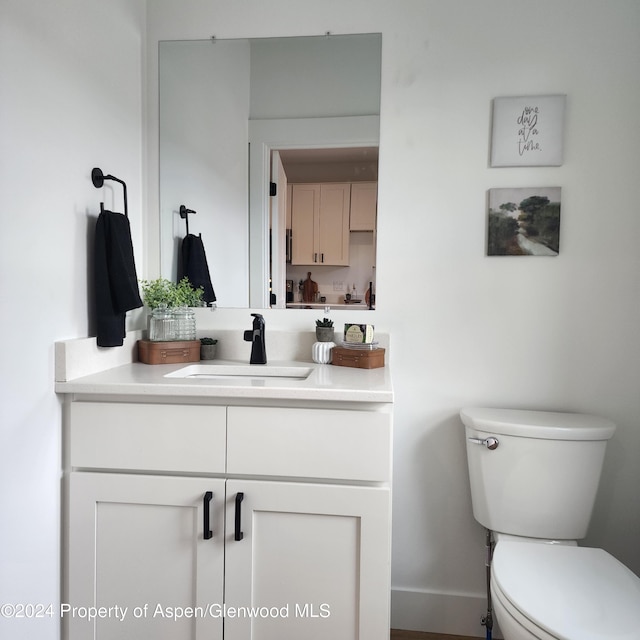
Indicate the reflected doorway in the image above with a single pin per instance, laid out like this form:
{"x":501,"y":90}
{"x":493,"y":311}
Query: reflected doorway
{"x":323,"y":224}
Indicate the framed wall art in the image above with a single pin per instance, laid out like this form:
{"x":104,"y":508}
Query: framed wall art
{"x":527,"y":131}
{"x":524,"y":222}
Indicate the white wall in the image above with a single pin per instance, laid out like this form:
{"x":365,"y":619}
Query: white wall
{"x":556,"y":333}
{"x":71,"y":98}
{"x":466,"y":329}
{"x":316,"y":77}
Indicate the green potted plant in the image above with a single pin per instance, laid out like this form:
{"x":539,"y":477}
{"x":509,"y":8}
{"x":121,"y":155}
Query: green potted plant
{"x":324,"y":330}
{"x":158,"y":296}
{"x":172,"y":317}
{"x":185,"y":298}
{"x":208,"y":348}
{"x":186,"y":295}
{"x":164,"y":293}
{"x":158,"y":293}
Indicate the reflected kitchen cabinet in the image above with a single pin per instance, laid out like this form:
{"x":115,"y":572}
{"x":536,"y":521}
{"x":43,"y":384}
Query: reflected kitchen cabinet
{"x":364,"y":204}
{"x":320,"y":224}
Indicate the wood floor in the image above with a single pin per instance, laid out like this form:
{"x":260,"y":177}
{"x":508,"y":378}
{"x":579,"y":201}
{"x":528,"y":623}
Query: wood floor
{"x":398,"y":634}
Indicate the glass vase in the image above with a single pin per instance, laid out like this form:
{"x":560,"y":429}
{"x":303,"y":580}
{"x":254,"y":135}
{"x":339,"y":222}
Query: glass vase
{"x":161,"y":325}
{"x":184,"y":319}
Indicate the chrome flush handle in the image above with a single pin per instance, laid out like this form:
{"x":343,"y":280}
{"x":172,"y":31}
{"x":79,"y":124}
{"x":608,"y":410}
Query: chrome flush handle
{"x":491,"y":443}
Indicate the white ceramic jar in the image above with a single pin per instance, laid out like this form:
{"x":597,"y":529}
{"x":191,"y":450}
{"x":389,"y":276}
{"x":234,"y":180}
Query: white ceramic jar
{"x":321,"y":352}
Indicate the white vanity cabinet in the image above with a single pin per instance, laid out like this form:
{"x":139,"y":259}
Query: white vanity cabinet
{"x":236,"y":522}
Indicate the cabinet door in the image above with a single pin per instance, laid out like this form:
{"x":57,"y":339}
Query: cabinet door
{"x":320,"y":224}
{"x":364,"y":203}
{"x":312,"y":562}
{"x":333,"y":225}
{"x":305,"y":211}
{"x":137,"y":548}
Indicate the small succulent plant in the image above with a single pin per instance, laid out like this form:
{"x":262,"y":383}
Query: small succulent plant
{"x":208,"y":341}
{"x":325,"y":322}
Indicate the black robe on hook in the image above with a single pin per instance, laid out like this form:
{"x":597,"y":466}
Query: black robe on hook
{"x":194,"y":266}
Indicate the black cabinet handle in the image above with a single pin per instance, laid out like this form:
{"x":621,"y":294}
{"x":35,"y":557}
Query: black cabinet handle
{"x":238,"y":534}
{"x":207,"y":534}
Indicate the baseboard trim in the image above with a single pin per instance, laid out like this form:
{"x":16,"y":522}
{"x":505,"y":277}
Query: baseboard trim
{"x":447,"y":613}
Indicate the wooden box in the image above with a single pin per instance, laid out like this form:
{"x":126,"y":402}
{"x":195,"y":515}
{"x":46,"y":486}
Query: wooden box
{"x":358,"y":358}
{"x":173,"y":352}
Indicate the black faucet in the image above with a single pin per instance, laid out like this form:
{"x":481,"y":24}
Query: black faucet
{"x":256,"y":337}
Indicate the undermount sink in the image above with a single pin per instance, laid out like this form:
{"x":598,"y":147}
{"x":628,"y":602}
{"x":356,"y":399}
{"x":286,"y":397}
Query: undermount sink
{"x":261,"y":371}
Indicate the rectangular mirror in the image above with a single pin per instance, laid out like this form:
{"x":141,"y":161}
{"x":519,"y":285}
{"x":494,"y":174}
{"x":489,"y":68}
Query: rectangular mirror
{"x":240,"y":116}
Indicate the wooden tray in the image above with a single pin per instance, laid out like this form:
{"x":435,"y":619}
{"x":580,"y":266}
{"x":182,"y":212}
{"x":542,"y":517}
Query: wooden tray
{"x":358,"y":358}
{"x":172,"y":352}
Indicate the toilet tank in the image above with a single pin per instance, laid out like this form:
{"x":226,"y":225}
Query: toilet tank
{"x":541,"y":479}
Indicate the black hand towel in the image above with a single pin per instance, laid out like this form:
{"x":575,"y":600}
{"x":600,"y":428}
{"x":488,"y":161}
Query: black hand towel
{"x":195,"y":267}
{"x":116,"y":281}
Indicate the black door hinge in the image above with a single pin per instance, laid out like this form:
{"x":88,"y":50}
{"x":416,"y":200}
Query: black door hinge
{"x":273,"y":189}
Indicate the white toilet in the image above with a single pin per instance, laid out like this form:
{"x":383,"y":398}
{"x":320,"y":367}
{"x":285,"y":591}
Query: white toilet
{"x":534,"y":477}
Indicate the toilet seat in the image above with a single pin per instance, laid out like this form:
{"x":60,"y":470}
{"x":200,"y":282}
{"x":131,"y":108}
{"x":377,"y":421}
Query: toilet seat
{"x":565,"y":592}
{"x":512,"y":623}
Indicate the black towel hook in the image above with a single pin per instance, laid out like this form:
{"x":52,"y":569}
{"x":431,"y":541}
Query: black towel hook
{"x":98,"y":178}
{"x":184,"y":214}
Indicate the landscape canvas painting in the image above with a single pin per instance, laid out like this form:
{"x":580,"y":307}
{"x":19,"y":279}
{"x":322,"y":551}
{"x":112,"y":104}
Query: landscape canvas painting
{"x":524,"y":222}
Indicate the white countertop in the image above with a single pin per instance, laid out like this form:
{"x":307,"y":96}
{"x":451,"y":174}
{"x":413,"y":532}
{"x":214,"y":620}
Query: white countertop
{"x":325,"y":383}
{"x":84,"y":368}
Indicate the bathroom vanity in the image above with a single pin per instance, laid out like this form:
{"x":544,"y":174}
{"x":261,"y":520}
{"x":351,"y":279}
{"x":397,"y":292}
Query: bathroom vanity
{"x":228,"y":506}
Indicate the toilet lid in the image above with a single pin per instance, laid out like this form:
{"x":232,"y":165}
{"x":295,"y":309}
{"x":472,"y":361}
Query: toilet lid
{"x":573,"y":593}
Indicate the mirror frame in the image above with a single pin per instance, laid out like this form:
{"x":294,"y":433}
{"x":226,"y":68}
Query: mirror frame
{"x":366,"y":135}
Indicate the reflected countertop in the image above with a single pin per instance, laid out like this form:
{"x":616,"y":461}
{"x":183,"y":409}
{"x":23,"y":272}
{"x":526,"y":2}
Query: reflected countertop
{"x":331,"y":305}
